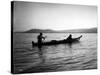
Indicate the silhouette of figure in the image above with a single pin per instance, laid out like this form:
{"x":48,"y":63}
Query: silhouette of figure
{"x":40,"y":37}
{"x":70,"y":37}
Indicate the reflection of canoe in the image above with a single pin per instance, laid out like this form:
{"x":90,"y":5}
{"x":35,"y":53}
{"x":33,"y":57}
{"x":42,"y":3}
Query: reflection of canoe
{"x":54,"y":42}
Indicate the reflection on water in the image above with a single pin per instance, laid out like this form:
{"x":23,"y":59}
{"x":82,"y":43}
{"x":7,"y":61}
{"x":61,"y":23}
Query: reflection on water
{"x":41,"y":55}
{"x":77,"y":56}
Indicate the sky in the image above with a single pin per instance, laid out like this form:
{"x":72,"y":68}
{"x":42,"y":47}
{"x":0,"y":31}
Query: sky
{"x":36,"y":15}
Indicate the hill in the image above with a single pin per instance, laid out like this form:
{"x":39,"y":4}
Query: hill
{"x":91,"y":30}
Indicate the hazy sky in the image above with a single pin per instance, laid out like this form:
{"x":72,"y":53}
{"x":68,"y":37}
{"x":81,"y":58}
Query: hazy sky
{"x":30,"y":15}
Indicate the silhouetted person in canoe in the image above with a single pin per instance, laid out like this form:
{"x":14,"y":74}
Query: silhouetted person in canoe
{"x":69,"y":37}
{"x":40,"y":38}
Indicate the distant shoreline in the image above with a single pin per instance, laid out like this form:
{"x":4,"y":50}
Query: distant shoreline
{"x":56,"y":32}
{"x":91,"y":30}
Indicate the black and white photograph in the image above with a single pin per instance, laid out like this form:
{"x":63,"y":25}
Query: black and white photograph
{"x":53,"y":37}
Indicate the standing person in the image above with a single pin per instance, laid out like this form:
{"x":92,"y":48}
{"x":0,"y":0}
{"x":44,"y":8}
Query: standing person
{"x":40,"y":38}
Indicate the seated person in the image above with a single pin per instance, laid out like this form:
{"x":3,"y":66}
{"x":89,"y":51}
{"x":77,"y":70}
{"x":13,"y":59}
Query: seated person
{"x":69,"y":37}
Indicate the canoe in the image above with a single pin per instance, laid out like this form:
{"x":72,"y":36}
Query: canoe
{"x":54,"y":42}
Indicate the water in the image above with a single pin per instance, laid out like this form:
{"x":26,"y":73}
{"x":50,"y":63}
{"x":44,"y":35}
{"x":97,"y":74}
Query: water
{"x":62,"y":57}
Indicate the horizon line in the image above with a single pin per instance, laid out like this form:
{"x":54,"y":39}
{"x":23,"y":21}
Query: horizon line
{"x":54,"y":29}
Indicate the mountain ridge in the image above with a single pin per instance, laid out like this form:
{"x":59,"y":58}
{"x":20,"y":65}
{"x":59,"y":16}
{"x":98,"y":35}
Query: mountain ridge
{"x":88,"y":30}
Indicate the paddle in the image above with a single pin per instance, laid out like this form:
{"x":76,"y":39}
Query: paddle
{"x":44,"y":37}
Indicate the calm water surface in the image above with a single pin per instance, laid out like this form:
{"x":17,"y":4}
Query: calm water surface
{"x":79,"y":56}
